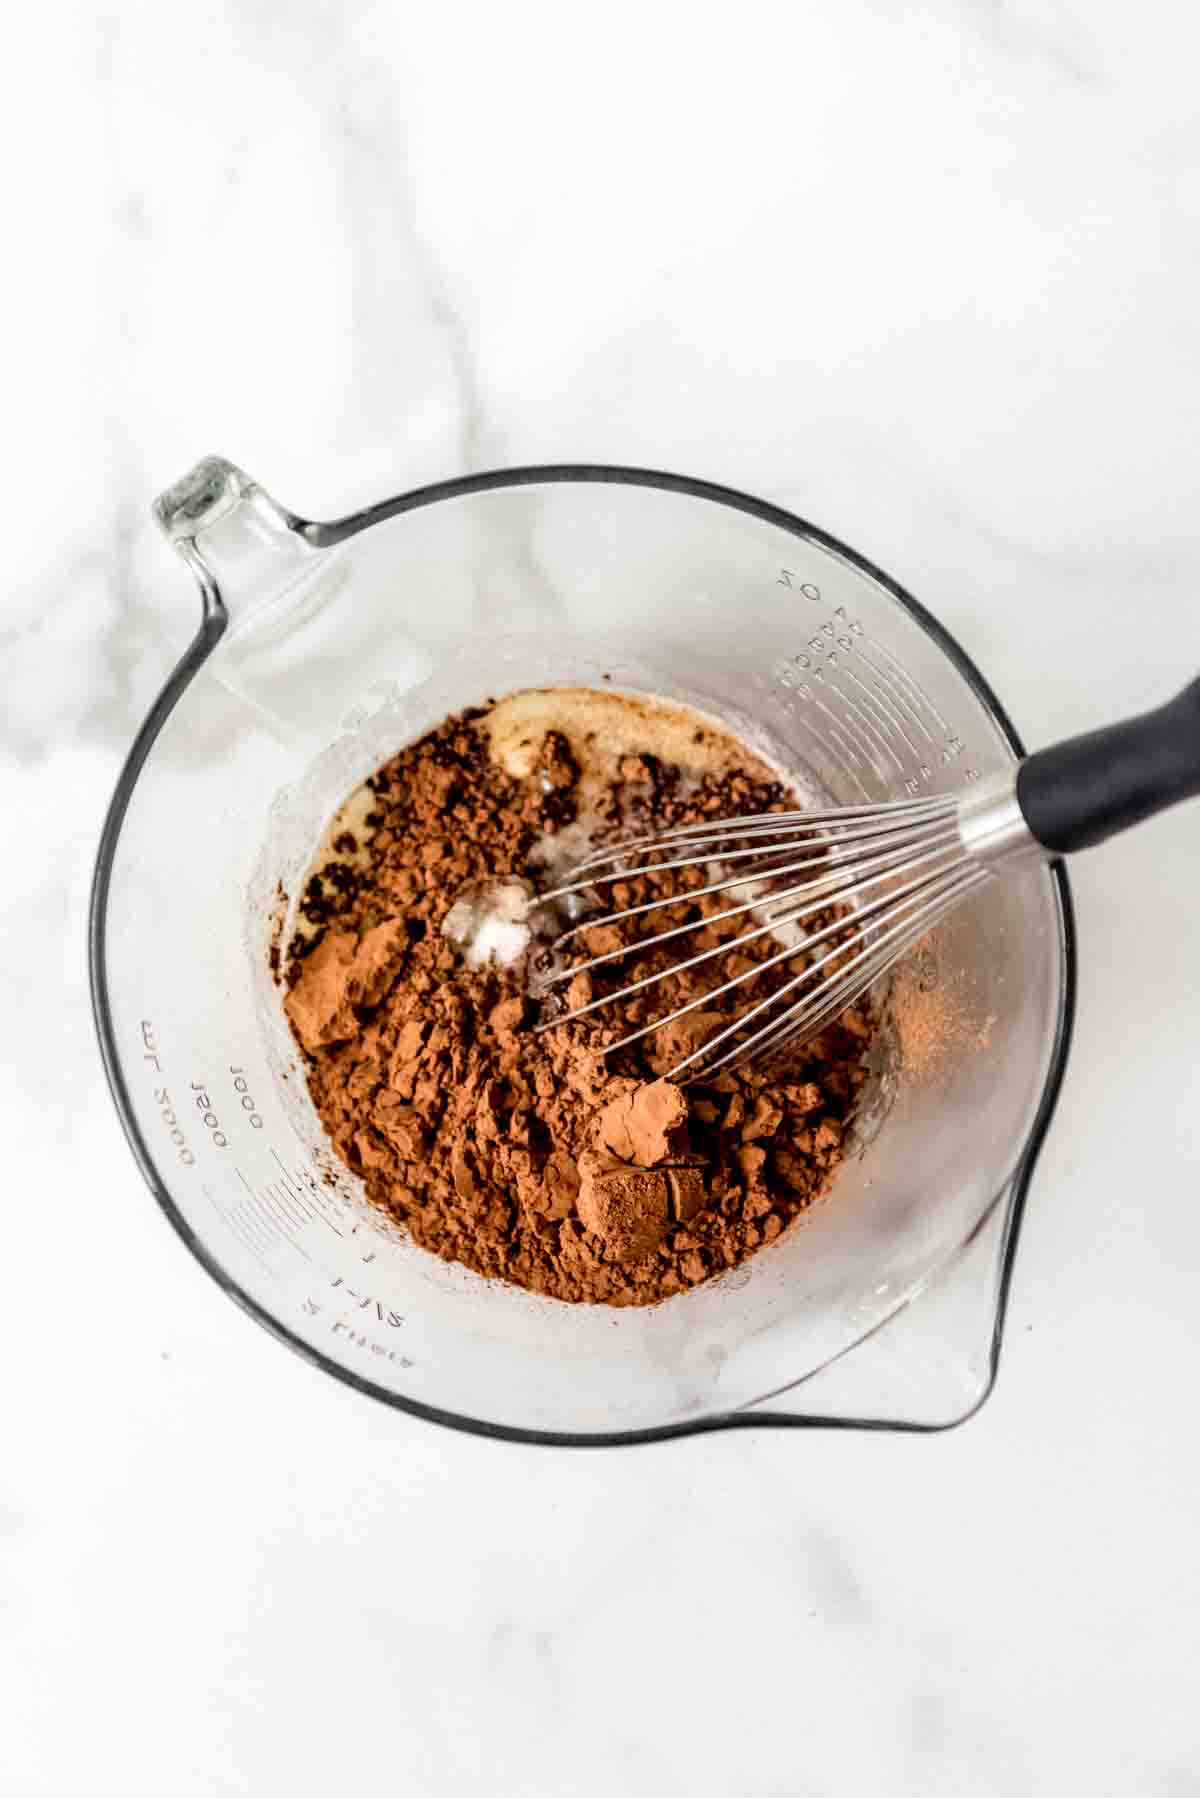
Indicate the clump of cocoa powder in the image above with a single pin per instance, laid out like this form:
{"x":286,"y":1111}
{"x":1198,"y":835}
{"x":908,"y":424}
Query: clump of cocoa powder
{"x":536,"y":1158}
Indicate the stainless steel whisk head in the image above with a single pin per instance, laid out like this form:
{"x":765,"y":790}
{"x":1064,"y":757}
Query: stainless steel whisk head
{"x":887,"y":873}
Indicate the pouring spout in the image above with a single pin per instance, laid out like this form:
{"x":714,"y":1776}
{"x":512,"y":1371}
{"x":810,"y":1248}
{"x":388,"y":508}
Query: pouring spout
{"x":242,"y":546}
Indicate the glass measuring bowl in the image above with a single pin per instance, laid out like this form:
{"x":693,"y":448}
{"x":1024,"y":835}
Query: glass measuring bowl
{"x":323,"y":648}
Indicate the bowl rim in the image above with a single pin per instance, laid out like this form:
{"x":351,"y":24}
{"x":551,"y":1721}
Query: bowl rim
{"x":212,"y":627}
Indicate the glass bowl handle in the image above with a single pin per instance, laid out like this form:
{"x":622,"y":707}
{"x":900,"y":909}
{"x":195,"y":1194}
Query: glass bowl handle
{"x":245,"y":549}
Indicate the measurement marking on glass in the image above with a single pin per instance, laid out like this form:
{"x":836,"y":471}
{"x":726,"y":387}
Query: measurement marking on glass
{"x":269,"y":1213}
{"x":316,"y":1193}
{"x":238,"y":1226}
{"x":311,"y":1185}
{"x":299,"y":1222}
{"x":877,"y":708}
{"x":884,"y":700}
{"x":234,"y":1221}
{"x":301,"y":1197}
{"x":884,"y":679}
{"x":865,"y":737}
{"x":268,"y":1233}
{"x":270,"y":1196}
{"x":264,"y":1224}
{"x":250,"y":1228}
{"x":848,"y":746}
{"x":855,"y":739}
{"x":900,"y":699}
{"x":269,"y":1220}
{"x":880,"y":736}
{"x":278,"y":1197}
{"x":274,"y":1210}
{"x":305,"y":1201}
{"x":299,"y":1248}
{"x":824,"y":747}
{"x":902,"y":674}
{"x":879,"y":743}
{"x":295,"y":1204}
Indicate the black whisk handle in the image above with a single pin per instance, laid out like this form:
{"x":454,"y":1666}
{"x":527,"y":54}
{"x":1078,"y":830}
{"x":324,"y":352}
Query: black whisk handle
{"x":1089,"y":788}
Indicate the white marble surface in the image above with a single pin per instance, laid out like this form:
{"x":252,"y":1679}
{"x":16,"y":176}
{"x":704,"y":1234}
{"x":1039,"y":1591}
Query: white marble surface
{"x":929,"y":274}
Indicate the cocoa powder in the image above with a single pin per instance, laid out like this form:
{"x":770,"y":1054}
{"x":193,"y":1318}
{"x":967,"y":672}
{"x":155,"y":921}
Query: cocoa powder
{"x":537,"y":1158}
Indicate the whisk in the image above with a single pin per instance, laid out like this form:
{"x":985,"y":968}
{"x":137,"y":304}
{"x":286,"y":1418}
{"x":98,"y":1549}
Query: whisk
{"x":868,"y":880}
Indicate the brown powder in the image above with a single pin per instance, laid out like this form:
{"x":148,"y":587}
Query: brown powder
{"x":933,"y":1021}
{"x":537,"y":1158}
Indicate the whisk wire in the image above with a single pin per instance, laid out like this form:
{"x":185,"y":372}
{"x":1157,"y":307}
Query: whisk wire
{"x":817,"y":898}
{"x":866,"y":858}
{"x":927,"y":853}
{"x":855,"y":888}
{"x":898,"y":812}
{"x":856,"y":924}
{"x":803,"y":1021}
{"x":919,"y":892}
{"x":816,"y":844}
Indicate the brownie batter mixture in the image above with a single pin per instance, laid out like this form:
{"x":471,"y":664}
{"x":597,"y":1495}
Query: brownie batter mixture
{"x":533,"y":1157}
